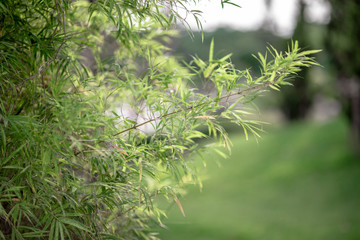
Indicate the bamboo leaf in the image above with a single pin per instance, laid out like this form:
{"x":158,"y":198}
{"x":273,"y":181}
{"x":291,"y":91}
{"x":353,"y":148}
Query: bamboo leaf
{"x":73,"y":223}
{"x":2,"y":163}
{"x":309,"y":52}
{"x":211,"y":52}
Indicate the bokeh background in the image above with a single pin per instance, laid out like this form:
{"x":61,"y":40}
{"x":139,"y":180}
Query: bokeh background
{"x":301,"y":180}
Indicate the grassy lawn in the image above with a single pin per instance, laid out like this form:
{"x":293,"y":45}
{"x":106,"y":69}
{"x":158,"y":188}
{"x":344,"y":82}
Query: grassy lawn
{"x":298,"y":182}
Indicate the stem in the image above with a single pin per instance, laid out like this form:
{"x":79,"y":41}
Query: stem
{"x":240,"y":92}
{"x":44,"y":66}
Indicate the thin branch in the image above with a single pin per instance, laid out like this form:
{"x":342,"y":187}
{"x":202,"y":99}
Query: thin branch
{"x":240,"y":92}
{"x":47,"y":64}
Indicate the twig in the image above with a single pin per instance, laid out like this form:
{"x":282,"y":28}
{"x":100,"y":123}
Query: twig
{"x":42,"y":69}
{"x":240,"y":92}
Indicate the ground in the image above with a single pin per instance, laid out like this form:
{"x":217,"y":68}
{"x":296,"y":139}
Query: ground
{"x":300,"y":181}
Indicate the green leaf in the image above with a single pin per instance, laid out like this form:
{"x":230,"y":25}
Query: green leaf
{"x":211,"y":52}
{"x":209,"y":70}
{"x":74,"y":223}
{"x":3,"y":138}
{"x":273,"y":87}
{"x":229,"y":2}
{"x":222,"y":154}
{"x":52,"y":230}
{"x":34,"y":234}
{"x":61,"y":230}
{"x":12,"y":154}
{"x":223,"y":59}
{"x":309,"y":52}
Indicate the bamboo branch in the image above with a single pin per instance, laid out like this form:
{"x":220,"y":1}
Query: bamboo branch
{"x":42,"y":69}
{"x":240,"y":92}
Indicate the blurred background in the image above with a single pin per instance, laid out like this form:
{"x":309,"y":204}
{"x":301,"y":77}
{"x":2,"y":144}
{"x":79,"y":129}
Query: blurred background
{"x":301,"y":180}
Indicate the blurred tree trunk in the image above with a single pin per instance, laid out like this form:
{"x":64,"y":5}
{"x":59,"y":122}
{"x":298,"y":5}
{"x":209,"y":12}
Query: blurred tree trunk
{"x":343,"y":39}
{"x":298,"y":99}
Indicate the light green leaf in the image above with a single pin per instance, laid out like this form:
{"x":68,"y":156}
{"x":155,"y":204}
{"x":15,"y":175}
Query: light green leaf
{"x":211,"y":53}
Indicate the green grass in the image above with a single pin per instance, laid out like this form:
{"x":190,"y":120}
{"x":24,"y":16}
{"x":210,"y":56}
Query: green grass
{"x":299,"y":182}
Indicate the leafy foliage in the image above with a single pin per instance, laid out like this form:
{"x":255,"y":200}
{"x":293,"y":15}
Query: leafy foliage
{"x":75,"y":162}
